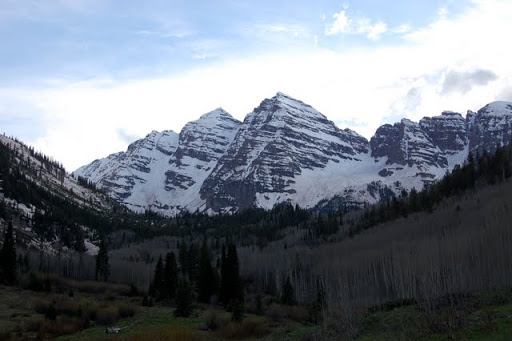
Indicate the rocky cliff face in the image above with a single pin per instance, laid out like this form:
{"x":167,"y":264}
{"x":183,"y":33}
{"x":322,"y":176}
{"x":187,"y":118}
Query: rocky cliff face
{"x":122,"y":174}
{"x":490,"y":126}
{"x":285,"y":150}
{"x":201,"y":144}
{"x":277,"y":141}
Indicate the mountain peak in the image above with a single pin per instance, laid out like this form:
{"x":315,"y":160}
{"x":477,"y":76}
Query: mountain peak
{"x":497,"y":108}
{"x":213,"y":118}
{"x":219,"y":112}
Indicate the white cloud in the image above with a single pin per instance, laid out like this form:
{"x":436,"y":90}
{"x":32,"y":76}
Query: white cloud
{"x":364,"y":87}
{"x":343,"y":24}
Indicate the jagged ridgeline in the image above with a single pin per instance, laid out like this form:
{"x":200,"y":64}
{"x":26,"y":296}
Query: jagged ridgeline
{"x":286,"y":151}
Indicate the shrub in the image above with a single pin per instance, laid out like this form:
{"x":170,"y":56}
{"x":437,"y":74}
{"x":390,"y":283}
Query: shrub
{"x":51,"y":329}
{"x":184,"y":301}
{"x":238,"y":312}
{"x":275,"y":313}
{"x":41,"y":306}
{"x":88,"y":309}
{"x":249,"y":328}
{"x":35,"y":283}
{"x":32,"y":325}
{"x":126,"y":310}
{"x":212,"y":320}
{"x":51,"y":312}
{"x":69,"y":308}
{"x":107,"y":315}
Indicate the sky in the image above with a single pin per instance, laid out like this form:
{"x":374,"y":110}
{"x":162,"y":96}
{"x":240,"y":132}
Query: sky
{"x":81,"y":79}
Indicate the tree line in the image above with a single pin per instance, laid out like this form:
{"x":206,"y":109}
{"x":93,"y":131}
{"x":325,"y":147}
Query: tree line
{"x":192,"y":276}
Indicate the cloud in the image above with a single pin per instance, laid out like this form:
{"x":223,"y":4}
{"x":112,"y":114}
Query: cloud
{"x":419,"y":75}
{"x":344,"y":24}
{"x":126,"y":136}
{"x":464,"y":81}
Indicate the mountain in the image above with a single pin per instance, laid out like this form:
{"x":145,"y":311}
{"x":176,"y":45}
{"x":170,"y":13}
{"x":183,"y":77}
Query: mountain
{"x":285,"y":150}
{"x":48,"y":207}
{"x":164,"y":171}
{"x":280,"y":153}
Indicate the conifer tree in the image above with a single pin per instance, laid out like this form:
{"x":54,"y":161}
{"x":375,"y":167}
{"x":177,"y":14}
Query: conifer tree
{"x":231,"y":285}
{"x":171,"y":275}
{"x":8,"y":256}
{"x":159,"y":280}
{"x":102,"y":265}
{"x":206,"y":283}
{"x":223,"y":275}
{"x":287,"y":295}
{"x":184,"y":300}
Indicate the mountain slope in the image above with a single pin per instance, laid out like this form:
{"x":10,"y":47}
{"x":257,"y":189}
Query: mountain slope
{"x":164,"y":171}
{"x":285,"y":150}
{"x":277,"y":142}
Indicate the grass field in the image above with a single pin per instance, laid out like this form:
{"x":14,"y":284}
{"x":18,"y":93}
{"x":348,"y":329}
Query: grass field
{"x":487,"y":316}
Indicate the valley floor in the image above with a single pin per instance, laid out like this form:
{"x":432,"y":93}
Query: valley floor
{"x":486,"y":316}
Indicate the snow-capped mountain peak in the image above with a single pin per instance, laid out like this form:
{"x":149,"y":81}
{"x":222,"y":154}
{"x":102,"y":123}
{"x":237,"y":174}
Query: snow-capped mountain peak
{"x":285,"y":150}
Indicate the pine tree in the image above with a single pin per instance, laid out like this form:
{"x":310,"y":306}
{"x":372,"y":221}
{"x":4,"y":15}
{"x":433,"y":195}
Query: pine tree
{"x":231,"y":285}
{"x":8,"y":256}
{"x":184,"y":300}
{"x":159,"y":280}
{"x":171,"y":275}
{"x":287,"y":295}
{"x":102,"y":265}
{"x":206,"y":284}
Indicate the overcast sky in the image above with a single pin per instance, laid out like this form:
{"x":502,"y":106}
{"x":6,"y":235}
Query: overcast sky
{"x":80,"y":79}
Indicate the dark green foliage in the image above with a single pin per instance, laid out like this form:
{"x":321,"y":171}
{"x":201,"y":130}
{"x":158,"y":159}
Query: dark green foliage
{"x":326,"y":225}
{"x":147,"y":301}
{"x":259,"y":305}
{"x":488,"y":169}
{"x":134,"y":291}
{"x":159,"y":287}
{"x":51,"y":312}
{"x":8,"y":256}
{"x":317,"y":308}
{"x":35,"y":283}
{"x":231,"y":291}
{"x":238,"y":312}
{"x":102,"y":264}
{"x":288,"y":295}
{"x":207,"y":281}
{"x":189,"y":259}
{"x":171,"y":275}
{"x":184,"y":300}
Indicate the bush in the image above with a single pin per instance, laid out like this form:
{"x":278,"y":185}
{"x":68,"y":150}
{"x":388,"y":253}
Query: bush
{"x":184,"y":301}
{"x":51,"y":312}
{"x":238,"y":312}
{"x":107,"y":315}
{"x":41,"y":306}
{"x":88,"y":309}
{"x":447,"y":313}
{"x":249,"y":328}
{"x":69,"y":308}
{"x":212,"y":320}
{"x":275,"y":313}
{"x":126,"y":310}
{"x":50,"y":329}
{"x":32,"y":325}
{"x":35,"y":283}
